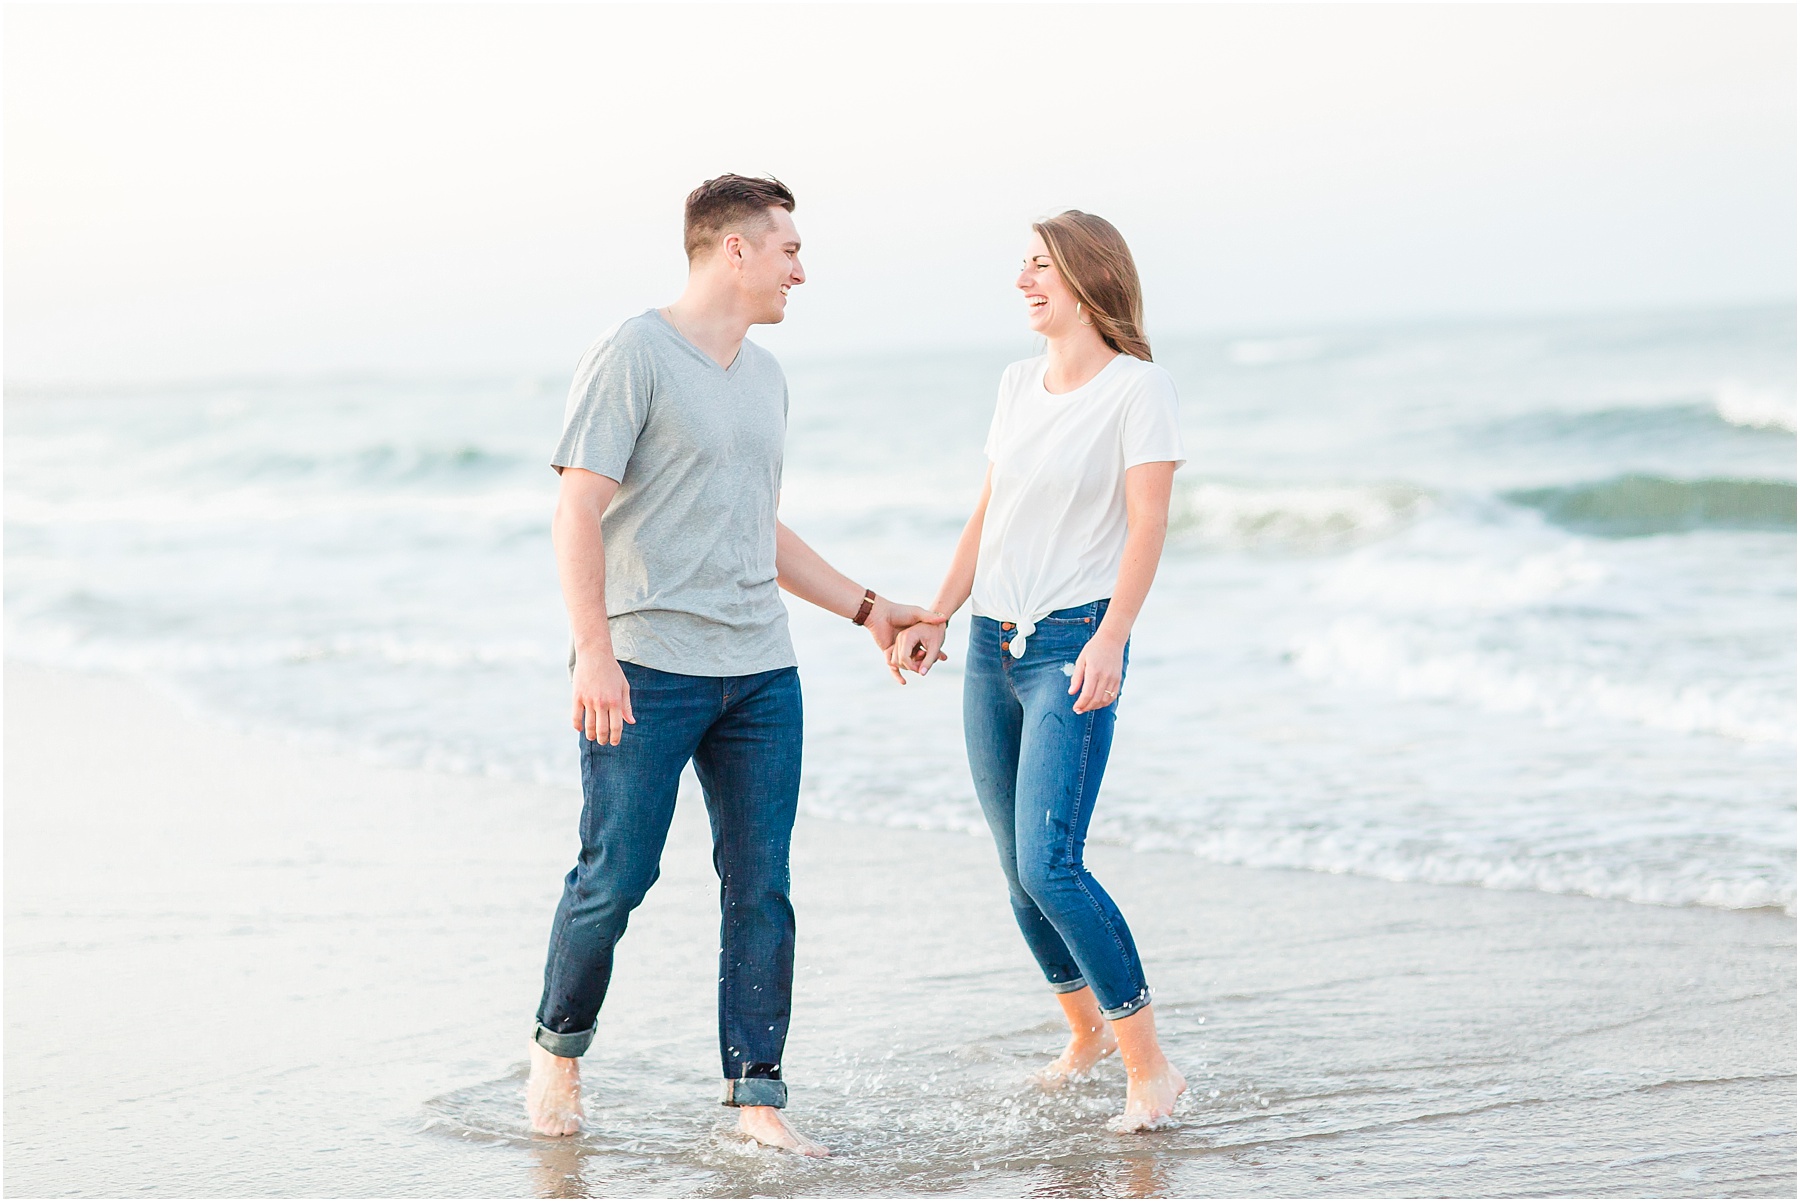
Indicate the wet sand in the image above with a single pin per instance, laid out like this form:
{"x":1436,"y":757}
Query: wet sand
{"x":240,"y":966}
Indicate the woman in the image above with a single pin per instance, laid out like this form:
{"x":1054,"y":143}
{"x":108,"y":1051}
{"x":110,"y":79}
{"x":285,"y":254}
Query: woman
{"x":1057,"y":558}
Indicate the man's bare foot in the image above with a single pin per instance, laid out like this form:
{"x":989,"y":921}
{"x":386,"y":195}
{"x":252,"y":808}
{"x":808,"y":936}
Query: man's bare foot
{"x":553,"y":1095}
{"x":1150,"y":1100}
{"x":1085,"y":1050}
{"x":767,"y":1125}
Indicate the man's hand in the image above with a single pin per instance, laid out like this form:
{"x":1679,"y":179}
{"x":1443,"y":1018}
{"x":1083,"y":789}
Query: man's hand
{"x":918,"y":648}
{"x":887,"y":619}
{"x":602,"y":698}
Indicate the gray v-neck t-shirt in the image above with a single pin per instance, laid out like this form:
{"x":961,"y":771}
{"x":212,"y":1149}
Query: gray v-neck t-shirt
{"x":690,"y":535}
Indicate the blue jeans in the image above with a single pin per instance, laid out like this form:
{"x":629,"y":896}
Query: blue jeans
{"x":743,"y":735}
{"x":1037,"y":766}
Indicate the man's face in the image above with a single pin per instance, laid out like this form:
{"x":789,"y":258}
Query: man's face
{"x":769,"y":266}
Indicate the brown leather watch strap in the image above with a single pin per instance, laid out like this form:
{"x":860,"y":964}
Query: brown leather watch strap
{"x":868,"y":605}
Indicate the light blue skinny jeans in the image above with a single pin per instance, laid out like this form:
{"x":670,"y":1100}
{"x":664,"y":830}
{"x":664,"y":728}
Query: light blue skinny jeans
{"x":1037,"y":766}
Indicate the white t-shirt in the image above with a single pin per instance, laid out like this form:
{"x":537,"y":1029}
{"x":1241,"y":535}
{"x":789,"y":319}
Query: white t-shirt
{"x":1055,"y":527}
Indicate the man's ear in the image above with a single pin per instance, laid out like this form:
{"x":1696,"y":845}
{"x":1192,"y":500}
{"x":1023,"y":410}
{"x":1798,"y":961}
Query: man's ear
{"x":732,"y":246}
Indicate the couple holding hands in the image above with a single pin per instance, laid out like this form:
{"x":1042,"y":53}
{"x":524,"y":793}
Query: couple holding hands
{"x":671,"y":559}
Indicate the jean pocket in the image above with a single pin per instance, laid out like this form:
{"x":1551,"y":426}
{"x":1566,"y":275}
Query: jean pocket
{"x":1061,"y":641}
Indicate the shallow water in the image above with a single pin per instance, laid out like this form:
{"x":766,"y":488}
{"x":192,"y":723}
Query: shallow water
{"x":1405,"y":1044}
{"x":239,"y":968}
{"x":1506,"y":604}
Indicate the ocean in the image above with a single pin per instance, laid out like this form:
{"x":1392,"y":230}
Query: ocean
{"x":1505,"y":604}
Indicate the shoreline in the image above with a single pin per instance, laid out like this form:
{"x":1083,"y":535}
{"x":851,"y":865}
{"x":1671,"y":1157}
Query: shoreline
{"x":273,"y":972}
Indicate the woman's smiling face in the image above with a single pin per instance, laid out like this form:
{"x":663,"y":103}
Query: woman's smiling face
{"x":1049,"y":304}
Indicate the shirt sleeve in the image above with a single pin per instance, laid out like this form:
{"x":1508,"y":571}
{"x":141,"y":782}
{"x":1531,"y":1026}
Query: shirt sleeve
{"x":1152,"y":426}
{"x":608,"y":405}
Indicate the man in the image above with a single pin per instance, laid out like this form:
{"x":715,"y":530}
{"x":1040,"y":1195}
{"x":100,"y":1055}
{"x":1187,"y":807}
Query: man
{"x":671,"y":557}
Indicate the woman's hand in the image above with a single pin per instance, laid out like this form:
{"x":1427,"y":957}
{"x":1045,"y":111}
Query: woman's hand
{"x":918,"y":648}
{"x":1099,"y":670}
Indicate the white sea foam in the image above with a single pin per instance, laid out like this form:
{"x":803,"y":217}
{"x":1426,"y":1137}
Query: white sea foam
{"x":1415,"y":857}
{"x":1230,"y":516}
{"x":1381,"y":855}
{"x":1758,"y":407}
{"x":1470,"y":582}
{"x":1361,"y":651}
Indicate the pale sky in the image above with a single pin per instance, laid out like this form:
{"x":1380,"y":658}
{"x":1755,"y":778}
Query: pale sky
{"x":228,"y":190}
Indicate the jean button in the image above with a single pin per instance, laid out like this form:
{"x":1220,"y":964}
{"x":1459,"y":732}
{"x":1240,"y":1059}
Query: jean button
{"x":1005,"y":645}
{"x":1006,"y":625}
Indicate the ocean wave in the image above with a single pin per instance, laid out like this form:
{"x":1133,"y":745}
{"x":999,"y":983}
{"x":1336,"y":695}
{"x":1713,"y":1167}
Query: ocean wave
{"x":1621,"y":433}
{"x":1466,"y":583}
{"x":237,"y":506}
{"x":1677,"y":880}
{"x":1759,"y":408}
{"x":57,"y":646}
{"x":1358,"y":651}
{"x":1217,"y":515}
{"x":381,"y":465}
{"x":1694,"y":883}
{"x":1635,"y":505}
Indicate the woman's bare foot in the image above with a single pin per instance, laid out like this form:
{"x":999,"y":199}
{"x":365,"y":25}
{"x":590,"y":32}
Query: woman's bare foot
{"x":1085,"y":1050}
{"x":1150,"y":1100}
{"x":1090,"y":1041}
{"x":1151,"y":1083}
{"x":767,"y":1125}
{"x":553,"y":1095}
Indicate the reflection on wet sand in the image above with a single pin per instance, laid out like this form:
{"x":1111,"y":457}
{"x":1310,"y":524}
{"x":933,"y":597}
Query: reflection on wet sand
{"x":1140,"y":1176}
{"x":556,"y":1168}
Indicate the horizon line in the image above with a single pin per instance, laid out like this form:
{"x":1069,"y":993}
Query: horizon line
{"x":42,"y":387}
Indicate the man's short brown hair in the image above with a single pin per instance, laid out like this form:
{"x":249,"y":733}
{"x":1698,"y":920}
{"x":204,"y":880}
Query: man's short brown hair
{"x":731,"y":203}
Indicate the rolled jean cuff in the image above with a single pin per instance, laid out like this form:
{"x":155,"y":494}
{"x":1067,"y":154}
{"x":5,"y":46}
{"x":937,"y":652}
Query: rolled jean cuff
{"x":1129,"y":1008}
{"x":754,"y":1091}
{"x":567,"y":1046}
{"x":1067,"y":986}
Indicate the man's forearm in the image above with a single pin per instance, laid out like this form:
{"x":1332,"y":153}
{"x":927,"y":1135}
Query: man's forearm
{"x":803,"y":572}
{"x":581,"y":568}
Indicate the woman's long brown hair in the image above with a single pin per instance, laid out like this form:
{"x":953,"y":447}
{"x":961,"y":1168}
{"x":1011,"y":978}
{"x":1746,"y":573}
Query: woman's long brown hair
{"x":1093,"y":260}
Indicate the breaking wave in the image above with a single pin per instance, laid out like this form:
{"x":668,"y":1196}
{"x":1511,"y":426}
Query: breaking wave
{"x":1235,"y":517}
{"x":1744,"y":404}
{"x":1634,"y":505}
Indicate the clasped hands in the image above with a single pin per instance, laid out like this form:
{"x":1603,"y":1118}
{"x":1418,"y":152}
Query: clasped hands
{"x":888,"y":621}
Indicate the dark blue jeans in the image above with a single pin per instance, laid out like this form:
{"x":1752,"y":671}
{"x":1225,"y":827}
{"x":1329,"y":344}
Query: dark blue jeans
{"x":743,"y":735}
{"x":1037,"y":766}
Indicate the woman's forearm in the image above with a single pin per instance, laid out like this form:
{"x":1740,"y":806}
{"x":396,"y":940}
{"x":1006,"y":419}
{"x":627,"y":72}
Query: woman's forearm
{"x":959,"y":580}
{"x":1147,"y":490}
